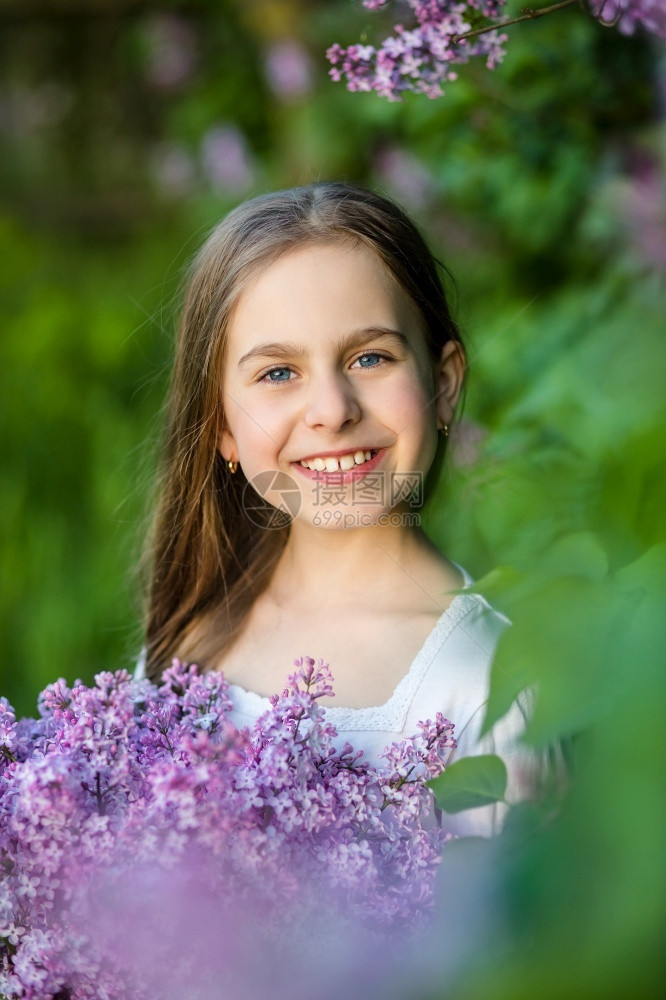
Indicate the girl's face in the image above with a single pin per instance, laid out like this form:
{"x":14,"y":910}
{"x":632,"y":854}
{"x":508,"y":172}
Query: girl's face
{"x":328,"y":380}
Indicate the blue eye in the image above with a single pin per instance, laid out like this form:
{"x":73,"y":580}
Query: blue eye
{"x":370,"y":360}
{"x":278,"y":375}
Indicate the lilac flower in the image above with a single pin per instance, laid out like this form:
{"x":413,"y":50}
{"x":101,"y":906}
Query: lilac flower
{"x":7,"y":731}
{"x":648,"y":14}
{"x":227,"y":159}
{"x":423,"y":59}
{"x":466,"y":442}
{"x":288,"y":69}
{"x":171,"y":51}
{"x":129,"y":811}
{"x":405,"y":175}
{"x":173,"y":170}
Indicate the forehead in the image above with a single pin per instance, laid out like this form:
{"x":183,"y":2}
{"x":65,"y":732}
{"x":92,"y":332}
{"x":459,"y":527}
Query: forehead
{"x":317,"y":292}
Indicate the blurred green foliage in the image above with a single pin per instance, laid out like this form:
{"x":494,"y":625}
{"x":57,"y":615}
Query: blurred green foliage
{"x":541,"y":184}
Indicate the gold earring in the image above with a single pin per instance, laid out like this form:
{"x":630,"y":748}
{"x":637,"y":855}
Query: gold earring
{"x":232,"y":467}
{"x":445,"y":430}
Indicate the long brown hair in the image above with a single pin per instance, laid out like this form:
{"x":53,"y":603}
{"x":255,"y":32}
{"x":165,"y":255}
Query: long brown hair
{"x":207,"y":560}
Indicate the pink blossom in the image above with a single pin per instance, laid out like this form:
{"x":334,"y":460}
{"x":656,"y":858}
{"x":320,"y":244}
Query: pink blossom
{"x":127,"y":798}
{"x":288,"y":69}
{"x":630,"y":14}
{"x":227,"y":160}
{"x":171,"y":50}
{"x":421,"y":59}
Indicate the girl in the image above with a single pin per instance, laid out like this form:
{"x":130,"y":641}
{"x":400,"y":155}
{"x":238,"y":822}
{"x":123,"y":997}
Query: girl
{"x":317,"y":375}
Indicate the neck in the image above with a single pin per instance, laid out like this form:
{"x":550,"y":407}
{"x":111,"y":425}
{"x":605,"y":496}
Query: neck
{"x":336,"y":568}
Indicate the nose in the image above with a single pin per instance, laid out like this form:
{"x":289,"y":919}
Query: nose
{"x":332,"y":403}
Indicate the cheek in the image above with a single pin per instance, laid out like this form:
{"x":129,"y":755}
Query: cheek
{"x":411,"y":405}
{"x":257,"y":425}
{"x":414,"y":417}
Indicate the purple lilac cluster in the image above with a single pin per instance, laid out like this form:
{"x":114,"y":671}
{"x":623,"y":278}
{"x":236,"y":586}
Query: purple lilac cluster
{"x":122,"y":791}
{"x":420,"y":59}
{"x":630,"y":14}
{"x":423,"y":58}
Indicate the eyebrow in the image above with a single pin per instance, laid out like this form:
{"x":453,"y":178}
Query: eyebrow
{"x":286,"y":350}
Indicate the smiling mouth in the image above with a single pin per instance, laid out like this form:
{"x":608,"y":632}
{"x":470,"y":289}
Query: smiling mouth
{"x":339,"y":463}
{"x":341,"y":474}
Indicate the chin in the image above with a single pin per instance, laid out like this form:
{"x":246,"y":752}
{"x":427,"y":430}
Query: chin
{"x":350,"y":518}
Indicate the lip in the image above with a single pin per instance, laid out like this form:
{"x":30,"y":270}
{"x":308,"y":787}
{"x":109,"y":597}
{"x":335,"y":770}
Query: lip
{"x":340,"y":476}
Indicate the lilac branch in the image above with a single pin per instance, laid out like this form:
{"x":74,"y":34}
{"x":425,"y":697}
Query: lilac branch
{"x":528,"y":14}
{"x":424,"y":59}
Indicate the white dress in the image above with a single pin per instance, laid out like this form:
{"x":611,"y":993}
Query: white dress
{"x":450,"y":674}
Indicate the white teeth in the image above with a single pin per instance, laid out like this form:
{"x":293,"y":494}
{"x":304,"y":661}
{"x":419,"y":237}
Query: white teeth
{"x":344,"y":463}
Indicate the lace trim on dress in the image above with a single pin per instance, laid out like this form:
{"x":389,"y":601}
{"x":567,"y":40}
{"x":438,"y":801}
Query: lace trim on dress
{"x":392,"y":715}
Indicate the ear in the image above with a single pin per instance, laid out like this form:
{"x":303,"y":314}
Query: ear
{"x":226,"y":445}
{"x":450,"y":375}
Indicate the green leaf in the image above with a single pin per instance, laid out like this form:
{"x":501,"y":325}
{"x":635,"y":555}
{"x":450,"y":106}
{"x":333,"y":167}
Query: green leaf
{"x":576,"y":554}
{"x":498,"y":581}
{"x":470,"y":782}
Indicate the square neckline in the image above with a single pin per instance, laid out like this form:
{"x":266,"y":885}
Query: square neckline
{"x":386,"y":715}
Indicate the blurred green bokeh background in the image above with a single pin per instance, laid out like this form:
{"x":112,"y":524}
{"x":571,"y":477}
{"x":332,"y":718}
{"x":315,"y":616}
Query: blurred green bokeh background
{"x":128,"y":127}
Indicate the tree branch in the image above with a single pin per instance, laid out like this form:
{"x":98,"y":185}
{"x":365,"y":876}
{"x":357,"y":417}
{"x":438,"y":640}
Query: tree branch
{"x":529,"y":14}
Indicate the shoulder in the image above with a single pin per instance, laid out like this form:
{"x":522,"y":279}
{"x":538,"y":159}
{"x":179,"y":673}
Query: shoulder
{"x":477,"y":620}
{"x":456,"y":663}
{"x":462,"y":646}
{"x":459,"y":678}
